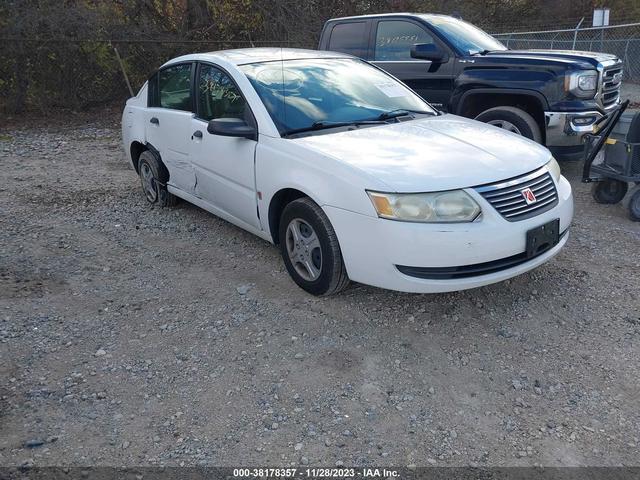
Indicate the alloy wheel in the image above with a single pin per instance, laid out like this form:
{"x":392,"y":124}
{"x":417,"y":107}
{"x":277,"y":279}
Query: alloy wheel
{"x":505,"y":126}
{"x":303,"y":249}
{"x":148,"y":182}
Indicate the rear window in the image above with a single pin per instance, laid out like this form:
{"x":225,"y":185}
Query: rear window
{"x":349,"y":38}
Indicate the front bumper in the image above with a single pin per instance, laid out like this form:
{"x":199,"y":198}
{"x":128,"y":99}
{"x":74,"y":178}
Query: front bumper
{"x":566,"y":129}
{"x":372,"y":248}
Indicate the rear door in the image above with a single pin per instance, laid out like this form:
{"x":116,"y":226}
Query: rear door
{"x":351,"y":37}
{"x":168,"y":122}
{"x":392,"y":40}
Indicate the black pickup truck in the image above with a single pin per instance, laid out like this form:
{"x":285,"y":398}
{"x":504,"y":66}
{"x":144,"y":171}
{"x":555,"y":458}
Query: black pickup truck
{"x":553,"y":97}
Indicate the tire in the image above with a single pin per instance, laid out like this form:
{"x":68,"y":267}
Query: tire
{"x":153,"y":178}
{"x":609,"y":191}
{"x":514,"y":120}
{"x":634,"y":206}
{"x":312,"y":257}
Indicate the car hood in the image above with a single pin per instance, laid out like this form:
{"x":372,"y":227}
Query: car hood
{"x":593,"y":58}
{"x":430,"y":154}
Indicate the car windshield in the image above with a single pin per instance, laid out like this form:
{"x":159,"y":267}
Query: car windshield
{"x":464,"y":36}
{"x":311,"y":93}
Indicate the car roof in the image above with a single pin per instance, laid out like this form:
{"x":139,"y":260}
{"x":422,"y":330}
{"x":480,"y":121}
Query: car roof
{"x":426,"y":16}
{"x":243,"y":56}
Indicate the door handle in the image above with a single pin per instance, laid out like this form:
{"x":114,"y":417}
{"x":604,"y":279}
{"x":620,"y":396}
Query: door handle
{"x":196,"y":134}
{"x":155,"y":121}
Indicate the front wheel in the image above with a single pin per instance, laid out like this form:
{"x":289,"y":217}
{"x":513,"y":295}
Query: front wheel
{"x":514,"y":120}
{"x":310,"y":248}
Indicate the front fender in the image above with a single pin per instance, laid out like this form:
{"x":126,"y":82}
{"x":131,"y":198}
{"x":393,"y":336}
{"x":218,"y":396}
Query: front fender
{"x":283,"y":164}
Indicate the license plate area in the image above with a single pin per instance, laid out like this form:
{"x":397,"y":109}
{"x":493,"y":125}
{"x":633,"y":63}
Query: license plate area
{"x":542,"y":238}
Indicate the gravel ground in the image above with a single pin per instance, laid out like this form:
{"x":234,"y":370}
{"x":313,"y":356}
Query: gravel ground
{"x":132,"y":335}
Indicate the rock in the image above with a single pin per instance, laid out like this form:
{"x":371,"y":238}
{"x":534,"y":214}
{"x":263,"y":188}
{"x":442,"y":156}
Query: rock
{"x":100,"y":353}
{"x":432,"y":390}
{"x":517,"y":384}
{"x":304,"y":461}
{"x":243,"y":289}
{"x":298,"y":447}
{"x":34,"y":443}
{"x":274,"y":426}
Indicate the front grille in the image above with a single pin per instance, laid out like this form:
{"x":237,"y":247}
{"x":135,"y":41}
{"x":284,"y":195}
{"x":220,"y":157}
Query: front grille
{"x":610,"y":86}
{"x":507,"y":197}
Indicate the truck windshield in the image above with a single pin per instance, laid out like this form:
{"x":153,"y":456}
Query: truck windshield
{"x":311,"y":94}
{"x":464,"y":36}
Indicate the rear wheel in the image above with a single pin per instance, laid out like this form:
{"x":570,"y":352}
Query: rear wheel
{"x":310,"y":248}
{"x":609,"y":191}
{"x":153,"y":178}
{"x":514,"y":120}
{"x":634,"y":205}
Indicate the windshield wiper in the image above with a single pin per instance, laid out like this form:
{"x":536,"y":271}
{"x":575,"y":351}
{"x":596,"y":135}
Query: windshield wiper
{"x":322,"y":124}
{"x":401,"y":112}
{"x":482,"y":52}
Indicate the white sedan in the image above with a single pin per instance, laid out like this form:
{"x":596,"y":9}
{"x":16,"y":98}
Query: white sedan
{"x":346,"y":169}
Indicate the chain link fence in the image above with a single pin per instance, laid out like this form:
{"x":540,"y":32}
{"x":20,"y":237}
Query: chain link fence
{"x":76,"y":74}
{"x":620,"y":40}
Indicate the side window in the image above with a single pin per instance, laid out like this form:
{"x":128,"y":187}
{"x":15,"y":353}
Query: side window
{"x":218,"y":96}
{"x":152,"y":92}
{"x":174,"y":84}
{"x":394,"y":39}
{"x":349,"y":38}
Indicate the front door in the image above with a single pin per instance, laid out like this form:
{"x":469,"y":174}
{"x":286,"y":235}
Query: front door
{"x":168,"y":123}
{"x":393,"y":40}
{"x":224,"y":166}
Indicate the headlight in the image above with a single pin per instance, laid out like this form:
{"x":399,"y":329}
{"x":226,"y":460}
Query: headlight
{"x":554,"y":169}
{"x":438,"y":207}
{"x":582,"y":84}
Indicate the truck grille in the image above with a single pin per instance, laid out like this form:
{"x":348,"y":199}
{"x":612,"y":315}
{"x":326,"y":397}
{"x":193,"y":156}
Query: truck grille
{"x":507,"y":197}
{"x":610,"y":87}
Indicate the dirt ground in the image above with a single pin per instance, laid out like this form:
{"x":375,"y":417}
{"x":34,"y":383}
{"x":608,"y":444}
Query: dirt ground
{"x":132,"y":335}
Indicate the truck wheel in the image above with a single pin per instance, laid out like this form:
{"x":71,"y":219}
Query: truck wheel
{"x":609,"y":191}
{"x":634,"y":206}
{"x":310,"y":248}
{"x":153,"y":177}
{"x":513,"y":120}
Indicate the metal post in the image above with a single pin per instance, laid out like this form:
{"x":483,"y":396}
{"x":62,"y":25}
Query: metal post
{"x":575,"y":34}
{"x":124,"y":73}
{"x":624,"y":59}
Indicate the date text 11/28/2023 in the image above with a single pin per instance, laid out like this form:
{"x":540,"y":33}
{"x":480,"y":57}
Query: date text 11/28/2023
{"x":315,"y":473}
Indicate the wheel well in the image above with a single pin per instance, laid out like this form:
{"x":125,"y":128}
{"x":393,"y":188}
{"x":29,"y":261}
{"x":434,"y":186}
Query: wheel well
{"x":278,"y":202}
{"x":474,"y":105}
{"x":136,"y":149}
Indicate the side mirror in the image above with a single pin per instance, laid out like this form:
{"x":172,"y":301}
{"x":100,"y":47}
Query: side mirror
{"x":232,"y":127}
{"x":429,"y":51}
